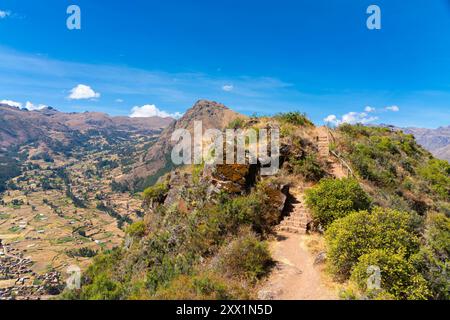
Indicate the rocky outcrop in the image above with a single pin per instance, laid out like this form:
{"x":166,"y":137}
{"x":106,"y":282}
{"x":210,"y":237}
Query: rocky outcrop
{"x":157,"y":160}
{"x":231,"y":178}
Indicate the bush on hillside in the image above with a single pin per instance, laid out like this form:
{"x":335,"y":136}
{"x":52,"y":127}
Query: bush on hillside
{"x":399,"y":278}
{"x":246,"y":257}
{"x":296,"y":118}
{"x":136,"y":229}
{"x":437,"y":173}
{"x":155,"y":193}
{"x":361,"y":232}
{"x":332,"y":199}
{"x":433,"y":259}
{"x":205,"y":286}
{"x":309,"y":167}
{"x":237,"y":123}
{"x":258,"y":209}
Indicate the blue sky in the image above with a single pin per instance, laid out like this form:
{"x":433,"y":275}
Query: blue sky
{"x":254,"y":56}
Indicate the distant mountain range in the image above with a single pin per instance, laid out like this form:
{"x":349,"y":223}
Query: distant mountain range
{"x":437,"y":141}
{"x":19,"y":126}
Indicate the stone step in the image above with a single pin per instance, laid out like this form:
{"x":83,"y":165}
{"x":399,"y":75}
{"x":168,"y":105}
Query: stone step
{"x":292,"y":230}
{"x":296,"y":225}
{"x":296,"y":216}
{"x":297,"y":220}
{"x":299,"y":210}
{"x":302,"y":223}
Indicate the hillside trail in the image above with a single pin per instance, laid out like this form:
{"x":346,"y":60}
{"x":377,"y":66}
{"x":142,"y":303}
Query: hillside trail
{"x":323,"y":138}
{"x":296,"y":275}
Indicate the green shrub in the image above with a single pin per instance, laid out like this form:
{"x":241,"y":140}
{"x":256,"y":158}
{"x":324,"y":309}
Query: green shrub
{"x":433,"y":258}
{"x":258,"y":209}
{"x":207,"y":286}
{"x":309,"y":167}
{"x":437,"y":173}
{"x":237,"y":123}
{"x":81,"y":252}
{"x":102,"y":288}
{"x":155,"y":193}
{"x":332,"y":199}
{"x":136,"y":229}
{"x":361,"y":232}
{"x":98,"y":282}
{"x":399,"y":278}
{"x":246,"y":257}
{"x":296,"y":118}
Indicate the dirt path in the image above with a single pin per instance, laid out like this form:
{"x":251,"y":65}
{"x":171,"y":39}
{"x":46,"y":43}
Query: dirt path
{"x":295,"y":276}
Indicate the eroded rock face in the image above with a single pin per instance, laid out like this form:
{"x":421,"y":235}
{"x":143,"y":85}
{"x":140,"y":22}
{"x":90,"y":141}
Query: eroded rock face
{"x":230,"y":178}
{"x":277,"y":195}
{"x":177,"y":182}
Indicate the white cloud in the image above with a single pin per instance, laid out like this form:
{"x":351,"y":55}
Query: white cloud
{"x":119,"y":100}
{"x":83,"y":91}
{"x":350,"y":118}
{"x":30,"y":106}
{"x":359,"y":117}
{"x":369,"y":109}
{"x":12,"y":103}
{"x":228,"y":87}
{"x":393,"y":108}
{"x":4,"y":14}
{"x":150,"y":110}
{"x":331,"y":119}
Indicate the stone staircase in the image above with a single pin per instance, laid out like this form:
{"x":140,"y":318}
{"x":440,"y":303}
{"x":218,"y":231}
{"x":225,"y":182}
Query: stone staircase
{"x":338,"y":167}
{"x":299,"y":218}
{"x":323,"y":142}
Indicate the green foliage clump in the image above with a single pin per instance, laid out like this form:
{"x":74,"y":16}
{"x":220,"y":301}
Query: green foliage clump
{"x":258,"y":209}
{"x":99,"y":282}
{"x":237,"y":123}
{"x":81,"y":252}
{"x":399,"y":278}
{"x":102,"y":288}
{"x":206,"y":286}
{"x":246,"y":257}
{"x":437,"y":173}
{"x":10,"y":167}
{"x":433,"y":259}
{"x":309,"y":167}
{"x":294,"y":117}
{"x":332,"y":199}
{"x":155,"y":193}
{"x":136,"y":229}
{"x":361,"y":232}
